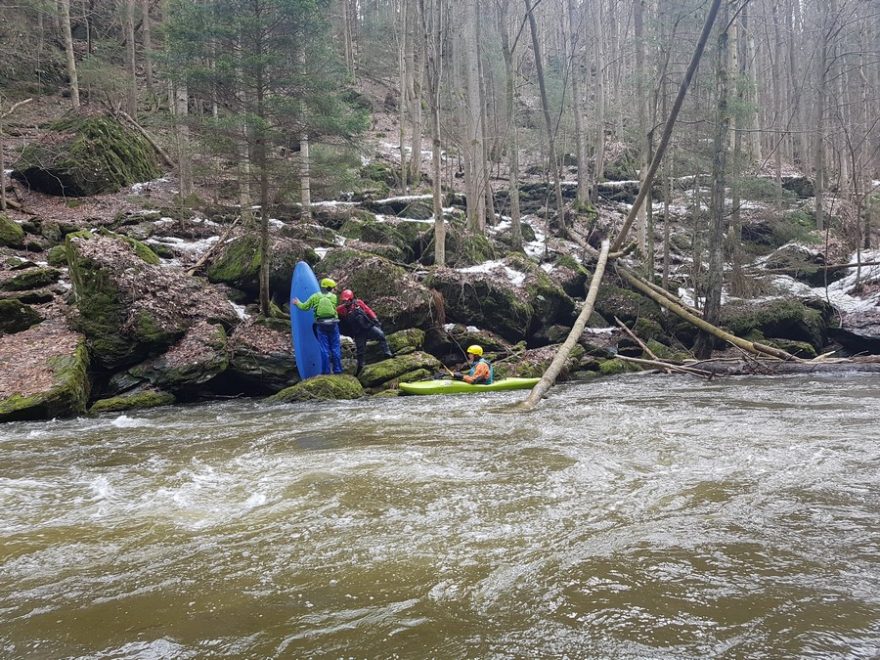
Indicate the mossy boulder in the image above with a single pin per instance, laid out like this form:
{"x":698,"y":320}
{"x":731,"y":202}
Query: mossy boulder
{"x":626,"y":305}
{"x":397,"y":298}
{"x":463,"y":248}
{"x":261,"y":359}
{"x":321,"y":388}
{"x":43,"y":373}
{"x":785,"y":318}
{"x":130,"y":308}
{"x":136,"y":400}
{"x":16,"y":316}
{"x":380,"y":373}
{"x":57,"y":256}
{"x":534,"y":362}
{"x":616,"y":366}
{"x":406,"y":341}
{"x":86,"y":155}
{"x":238,"y":263}
{"x":199,"y":357}
{"x":32,"y":278}
{"x":11,"y":233}
{"x":381,"y":232}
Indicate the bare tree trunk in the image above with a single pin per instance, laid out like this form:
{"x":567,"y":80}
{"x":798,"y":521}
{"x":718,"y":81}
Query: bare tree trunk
{"x":577,"y":330}
{"x":577,"y":62}
{"x":821,"y":92}
{"x":599,"y":66}
{"x":432,"y":27}
{"x":180,"y":105}
{"x":404,"y":94}
{"x":146,"y":28}
{"x":642,"y":239}
{"x":715,"y":276}
{"x":670,"y":123}
{"x":548,"y":122}
{"x":68,"y":48}
{"x":130,"y":59}
{"x":418,"y":72}
{"x":512,"y":133}
{"x":475,"y":175}
{"x":305,"y":159}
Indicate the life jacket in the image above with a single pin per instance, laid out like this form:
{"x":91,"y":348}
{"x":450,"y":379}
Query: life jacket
{"x":491,"y":378}
{"x":326,"y":308}
{"x":358,"y":318}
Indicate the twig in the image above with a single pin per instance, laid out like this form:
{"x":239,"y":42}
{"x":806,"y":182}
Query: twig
{"x":708,"y":375}
{"x":204,"y":258}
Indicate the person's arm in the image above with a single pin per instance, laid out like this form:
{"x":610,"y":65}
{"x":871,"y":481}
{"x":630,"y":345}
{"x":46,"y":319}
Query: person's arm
{"x":308,"y":304}
{"x":481,"y":374}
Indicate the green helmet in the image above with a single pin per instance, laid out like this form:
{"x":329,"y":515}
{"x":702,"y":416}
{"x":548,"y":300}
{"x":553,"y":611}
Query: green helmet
{"x":327,"y":283}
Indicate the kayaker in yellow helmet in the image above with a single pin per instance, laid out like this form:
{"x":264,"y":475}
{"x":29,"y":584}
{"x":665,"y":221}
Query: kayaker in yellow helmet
{"x":481,"y":371}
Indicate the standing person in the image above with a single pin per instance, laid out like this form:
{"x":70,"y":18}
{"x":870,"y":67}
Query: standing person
{"x":361,"y":323}
{"x":326,"y":325}
{"x":481,"y":372}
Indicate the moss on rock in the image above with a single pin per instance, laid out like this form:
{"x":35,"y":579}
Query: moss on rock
{"x":16,"y":316}
{"x":787,"y":318}
{"x":139,"y":399}
{"x":86,"y":155}
{"x":321,"y":388}
{"x":375,"y":375}
{"x":11,"y":233}
{"x":616,"y":366}
{"x":60,"y":360}
{"x":32,"y":278}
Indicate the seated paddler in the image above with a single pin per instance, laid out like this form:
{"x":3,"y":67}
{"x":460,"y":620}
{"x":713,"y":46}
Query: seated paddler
{"x":481,"y":371}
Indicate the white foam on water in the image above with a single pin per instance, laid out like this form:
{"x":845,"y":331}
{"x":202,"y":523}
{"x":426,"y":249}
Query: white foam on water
{"x":126,"y":422}
{"x":239,"y":310}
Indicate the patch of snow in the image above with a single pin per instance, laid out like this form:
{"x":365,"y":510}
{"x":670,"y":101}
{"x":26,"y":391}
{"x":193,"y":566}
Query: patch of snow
{"x":340,"y":240}
{"x":164,"y":221}
{"x":600,"y":331}
{"x":186,"y":246}
{"x":448,"y":326}
{"x":321,"y":251}
{"x":429,"y":221}
{"x":619,"y":184}
{"x":8,"y":172}
{"x":548,"y":268}
{"x":138,"y":188}
{"x":472,"y":328}
{"x":64,"y":284}
{"x":239,"y":310}
{"x":275,"y":222}
{"x":516,"y":278}
{"x":206,"y":222}
{"x":403,"y":198}
{"x":333,"y":204}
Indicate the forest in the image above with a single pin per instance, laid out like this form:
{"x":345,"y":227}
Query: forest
{"x":165,"y":163}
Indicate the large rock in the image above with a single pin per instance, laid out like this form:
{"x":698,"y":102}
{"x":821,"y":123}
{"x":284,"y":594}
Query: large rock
{"x":199,"y":357}
{"x":859,"y":332}
{"x":129,"y":308}
{"x":386,"y":231}
{"x":261,"y":360}
{"x":16,"y":316}
{"x":513,"y":298}
{"x":43,"y":373}
{"x":802,"y":263}
{"x":321,"y":388}
{"x":534,"y":362}
{"x":30,"y":278}
{"x":83,"y":156}
{"x":626,"y":305}
{"x":396,"y":369}
{"x":11,"y":233}
{"x":138,"y":399}
{"x":399,"y":300}
{"x":785,"y":318}
{"x":238,"y":264}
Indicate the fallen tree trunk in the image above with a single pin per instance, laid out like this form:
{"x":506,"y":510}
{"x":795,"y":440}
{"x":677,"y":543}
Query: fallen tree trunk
{"x":149,"y":138}
{"x":777,"y":368}
{"x":201,"y":262}
{"x":752,"y":347}
{"x":549,"y":377}
{"x":666,"y":366}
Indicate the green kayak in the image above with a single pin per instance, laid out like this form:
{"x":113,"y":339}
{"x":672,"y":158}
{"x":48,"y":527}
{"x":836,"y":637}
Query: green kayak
{"x":460,"y":387}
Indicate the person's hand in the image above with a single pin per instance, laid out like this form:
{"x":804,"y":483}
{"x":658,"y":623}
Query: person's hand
{"x":294,"y":301}
{"x":458,"y":375}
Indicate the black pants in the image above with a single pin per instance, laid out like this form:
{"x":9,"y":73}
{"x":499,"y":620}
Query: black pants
{"x":360,"y":342}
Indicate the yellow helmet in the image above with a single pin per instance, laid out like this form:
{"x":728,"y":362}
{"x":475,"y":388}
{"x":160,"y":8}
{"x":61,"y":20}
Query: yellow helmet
{"x":476,"y":350}
{"x":327,"y":283}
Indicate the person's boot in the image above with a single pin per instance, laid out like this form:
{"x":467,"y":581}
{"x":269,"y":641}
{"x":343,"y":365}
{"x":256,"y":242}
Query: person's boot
{"x":359,"y":368}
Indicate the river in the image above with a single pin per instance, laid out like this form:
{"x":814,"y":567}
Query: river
{"x":640,"y":517}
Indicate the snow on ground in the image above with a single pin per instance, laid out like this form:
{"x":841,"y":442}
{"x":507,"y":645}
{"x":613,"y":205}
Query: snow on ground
{"x":321,"y":251}
{"x":333,"y":204}
{"x":839,"y":293}
{"x":404,"y":198}
{"x":164,"y":221}
{"x":516,"y":278}
{"x":138,"y":188}
{"x":275,"y":223}
{"x":194,"y":247}
{"x":239,"y":310}
{"x":449,"y":326}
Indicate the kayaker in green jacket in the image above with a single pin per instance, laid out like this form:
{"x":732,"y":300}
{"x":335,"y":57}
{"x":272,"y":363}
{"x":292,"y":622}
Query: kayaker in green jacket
{"x":326,"y":327}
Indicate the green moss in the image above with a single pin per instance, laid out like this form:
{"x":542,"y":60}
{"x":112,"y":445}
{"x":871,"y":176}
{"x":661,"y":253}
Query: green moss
{"x":374,"y":375}
{"x":239,"y":262}
{"x":616,"y":366}
{"x":646,"y":328}
{"x":87,"y":156}
{"x":786,"y":318}
{"x":32,"y":278}
{"x":408,"y":340}
{"x":11,"y":233}
{"x":626,"y":305}
{"x":67,"y":396}
{"x":321,"y":388}
{"x":15,"y":316}
{"x":664,"y":352}
{"x":57,"y":256}
{"x":135,"y":400}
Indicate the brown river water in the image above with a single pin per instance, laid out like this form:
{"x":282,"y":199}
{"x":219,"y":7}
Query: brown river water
{"x":641,"y":517}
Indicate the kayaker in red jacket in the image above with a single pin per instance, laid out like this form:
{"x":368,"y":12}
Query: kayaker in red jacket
{"x":361,"y":323}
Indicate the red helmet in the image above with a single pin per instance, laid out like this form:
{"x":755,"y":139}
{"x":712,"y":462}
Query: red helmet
{"x":347,"y":295}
